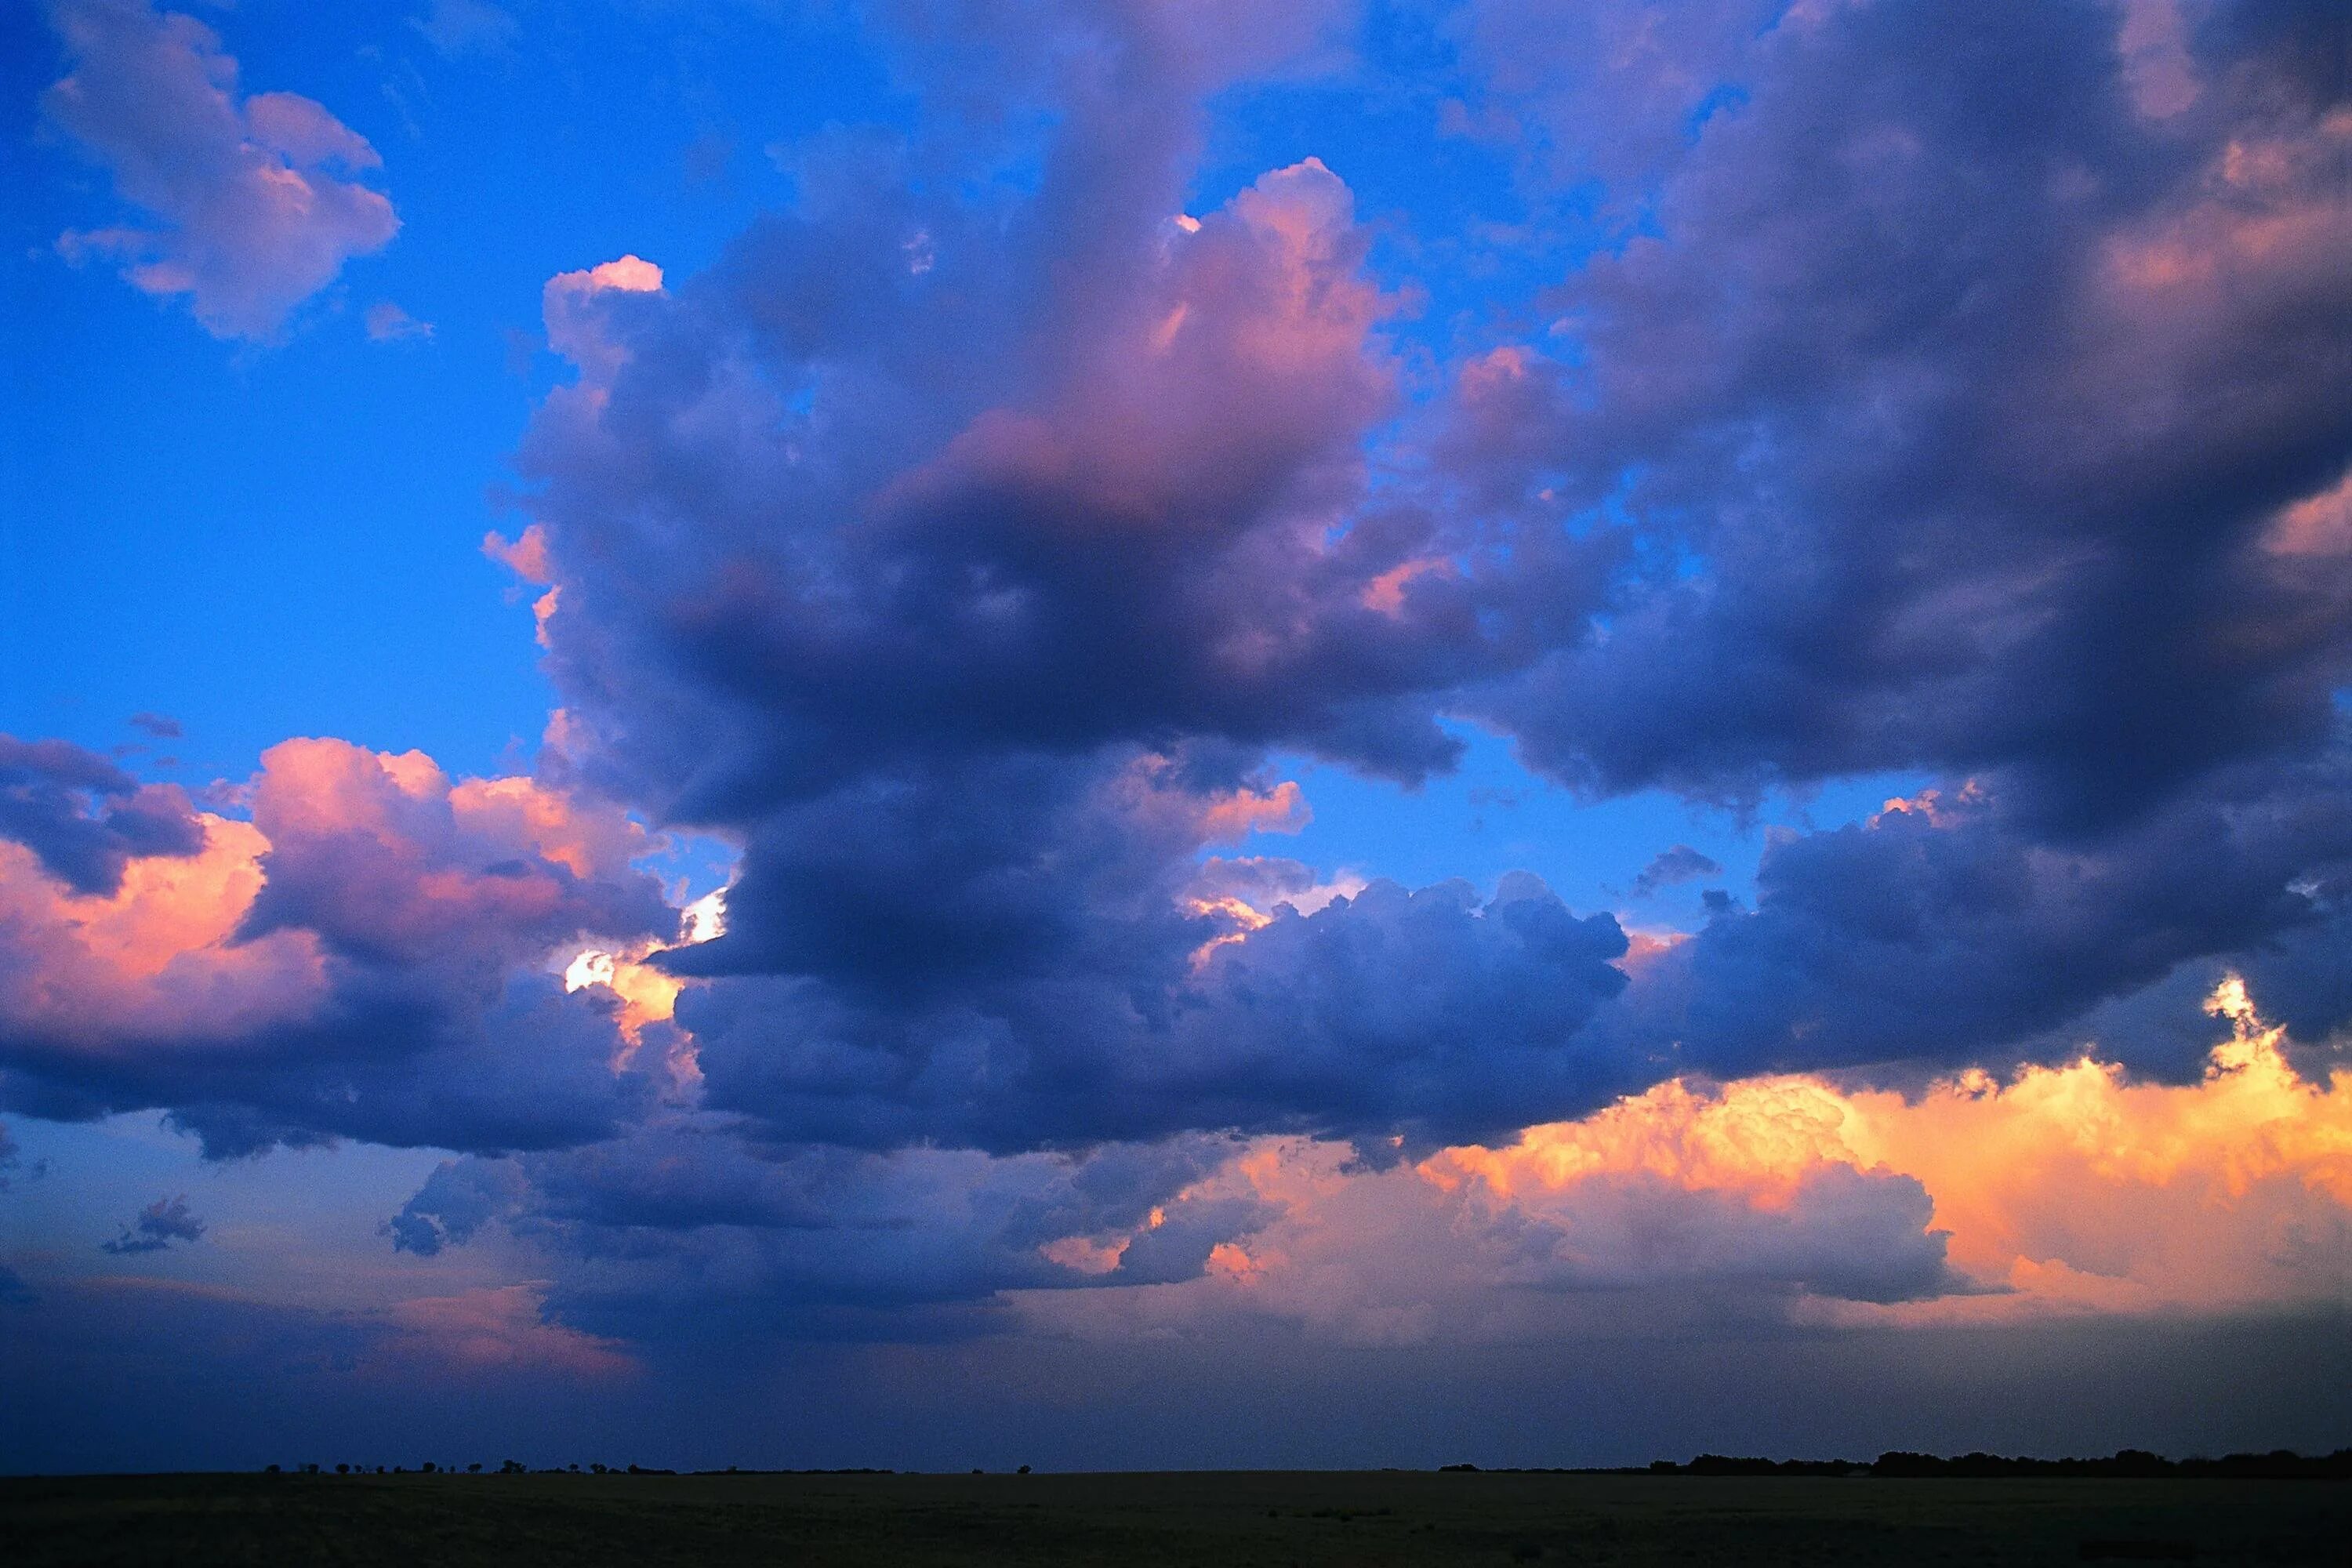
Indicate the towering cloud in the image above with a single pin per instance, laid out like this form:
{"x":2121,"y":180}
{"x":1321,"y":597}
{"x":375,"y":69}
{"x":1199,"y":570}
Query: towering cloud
{"x":966,"y":548}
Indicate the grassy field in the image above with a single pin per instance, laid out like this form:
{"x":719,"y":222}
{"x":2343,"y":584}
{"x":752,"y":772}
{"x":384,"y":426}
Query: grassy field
{"x":1253,"y":1518}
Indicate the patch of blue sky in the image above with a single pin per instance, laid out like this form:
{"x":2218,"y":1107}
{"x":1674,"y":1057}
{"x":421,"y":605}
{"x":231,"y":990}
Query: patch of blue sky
{"x":1493,"y":814}
{"x":283,"y":540}
{"x":296,"y":1225}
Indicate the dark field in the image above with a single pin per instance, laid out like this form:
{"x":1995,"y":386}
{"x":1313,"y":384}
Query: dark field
{"x":417,"y":1520}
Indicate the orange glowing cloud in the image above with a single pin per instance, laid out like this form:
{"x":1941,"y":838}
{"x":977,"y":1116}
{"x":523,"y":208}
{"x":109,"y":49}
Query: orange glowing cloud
{"x":2064,"y":1189}
{"x":2070,"y":1186}
{"x":1282,"y":809}
{"x":648,"y":995}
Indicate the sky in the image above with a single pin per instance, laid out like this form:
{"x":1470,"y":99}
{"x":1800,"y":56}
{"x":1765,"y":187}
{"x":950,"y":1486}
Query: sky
{"x":1174,"y":732}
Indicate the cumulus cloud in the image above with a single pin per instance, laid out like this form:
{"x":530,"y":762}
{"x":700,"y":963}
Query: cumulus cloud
{"x":1423,"y":1016}
{"x":84,"y":818}
{"x":899,"y":571}
{"x":1952,"y":394}
{"x":256,"y":199}
{"x":366,"y":956}
{"x":1955,"y":400}
{"x":159,"y":1224}
{"x":1946,"y":927}
{"x":2071,"y":1187}
{"x":972,"y":608}
{"x":1687,"y":1207}
{"x":1692,"y":1208}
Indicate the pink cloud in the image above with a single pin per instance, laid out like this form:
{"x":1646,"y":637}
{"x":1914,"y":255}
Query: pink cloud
{"x":572,"y":305}
{"x":372,"y":913}
{"x":157,"y":956}
{"x":494,"y":1329}
{"x":383,"y":853}
{"x":388,"y":323}
{"x":254,"y":198}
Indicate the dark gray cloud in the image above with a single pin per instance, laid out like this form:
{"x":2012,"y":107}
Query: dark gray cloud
{"x":1428,"y":1015}
{"x":1680,"y":863}
{"x":84,"y":816}
{"x":1949,"y":411}
{"x":159,"y":1224}
{"x":1958,"y":394}
{"x":689,"y":1222}
{"x":1950,"y":928}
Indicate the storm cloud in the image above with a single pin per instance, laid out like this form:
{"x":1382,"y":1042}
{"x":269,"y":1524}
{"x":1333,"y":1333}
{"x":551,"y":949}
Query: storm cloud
{"x":974,"y":549}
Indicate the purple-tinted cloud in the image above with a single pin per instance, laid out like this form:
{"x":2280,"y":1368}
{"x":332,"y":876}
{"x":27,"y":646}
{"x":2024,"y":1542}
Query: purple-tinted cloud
{"x":159,"y":1224}
{"x":1959,"y":399}
{"x":257,"y":200}
{"x":84,"y":816}
{"x":1955,"y":394}
{"x":1425,"y":1015}
{"x":1680,"y":863}
{"x":688,"y":1222}
{"x":1948,"y":928}
{"x":368,"y":956}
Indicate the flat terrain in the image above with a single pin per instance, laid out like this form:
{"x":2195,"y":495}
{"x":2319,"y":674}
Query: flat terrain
{"x":1232,"y":1518}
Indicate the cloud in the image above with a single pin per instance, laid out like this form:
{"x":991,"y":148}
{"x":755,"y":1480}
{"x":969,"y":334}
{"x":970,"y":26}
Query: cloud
{"x":1690,"y":1208}
{"x":2070,"y":1187}
{"x":256,"y":198}
{"x":1306,"y":1024}
{"x":388,"y":323}
{"x":1946,"y":927}
{"x":1679,"y":864}
{"x":162,"y":726}
{"x":84,"y":818}
{"x":961,"y":603}
{"x":468,"y":27}
{"x":1943,"y":395}
{"x":369,"y":955}
{"x":1056,"y":568}
{"x":684,"y":1223}
{"x":159,"y":1224}
{"x":1961,"y":397}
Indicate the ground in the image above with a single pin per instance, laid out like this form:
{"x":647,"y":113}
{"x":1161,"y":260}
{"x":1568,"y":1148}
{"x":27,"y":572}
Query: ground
{"x":1229,"y":1520}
